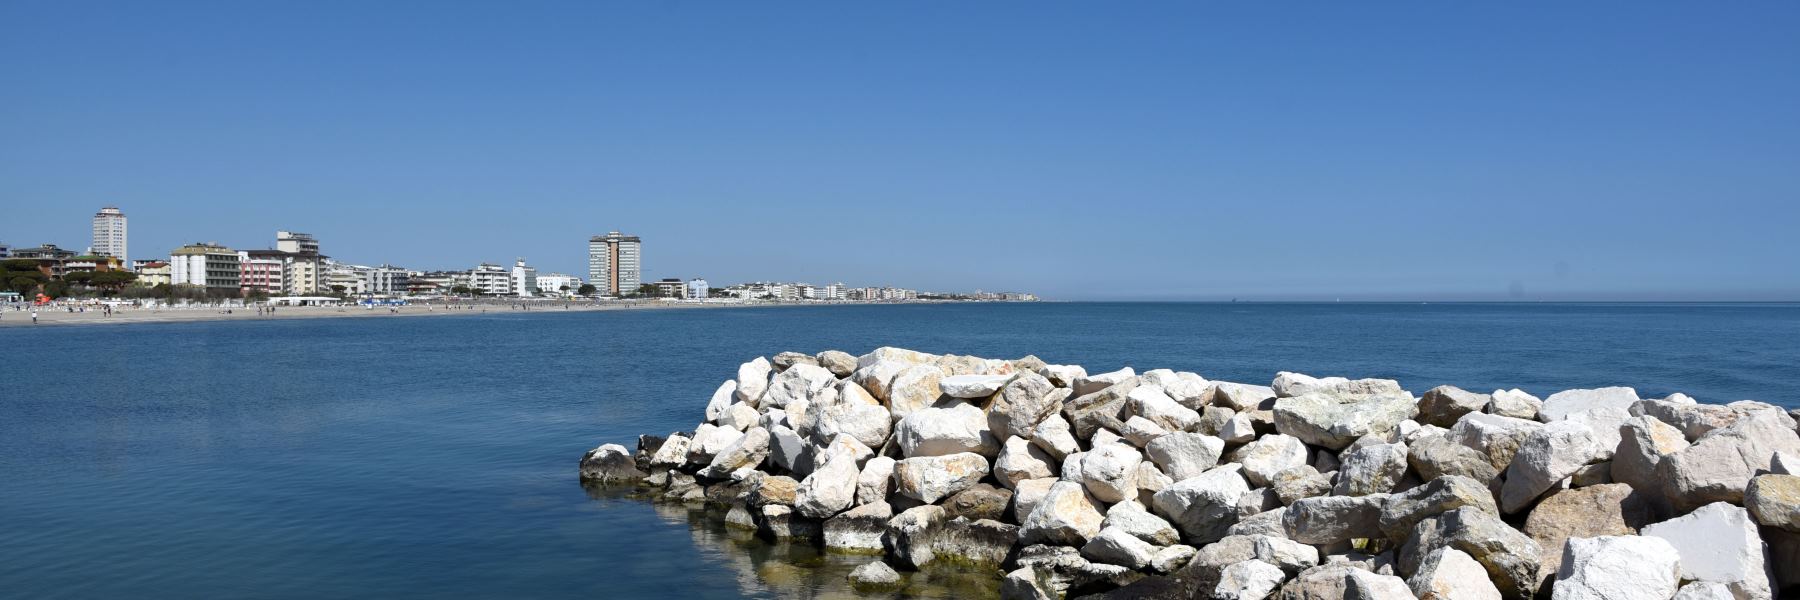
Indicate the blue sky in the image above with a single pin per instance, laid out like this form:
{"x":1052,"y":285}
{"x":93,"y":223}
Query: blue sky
{"x":1414,"y":150}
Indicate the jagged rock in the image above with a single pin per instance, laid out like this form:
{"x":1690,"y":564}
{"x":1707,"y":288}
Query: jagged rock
{"x":1379,"y":564}
{"x":1102,"y":409}
{"x":909,"y":534}
{"x":1020,"y":460}
{"x":848,"y":392}
{"x":972,"y":386}
{"x":785,"y":360}
{"x":753,"y":380}
{"x":1089,"y":384}
{"x":1028,"y":494}
{"x":774,"y":489}
{"x":1267,"y":522}
{"x":1718,"y":466}
{"x":1511,"y":558}
{"x":1602,"y":410}
{"x":975,"y":542}
{"x":913,"y":388}
{"x":747,"y":450}
{"x":1291,"y":385}
{"x":780,"y":522}
{"x":1171,"y":558}
{"x":789,"y":451}
{"x":1601,"y":510}
{"x":1110,"y":472}
{"x":709,"y":441}
{"x":1450,"y":574}
{"x":1372,"y":469}
{"x":1213,"y":419}
{"x":1257,"y":501}
{"x":1513,"y":403}
{"x":1438,"y":456}
{"x":1182,"y":455}
{"x":980,"y":501}
{"x":1141,"y":431}
{"x":1247,"y":580}
{"x":1150,"y":480}
{"x":1704,"y":590}
{"x":830,"y":489}
{"x":1547,"y":456}
{"x":1136,"y":520}
{"x":1269,"y":455}
{"x":721,"y":400}
{"x":1774,"y":500}
{"x":1067,"y":515}
{"x":1343,"y":582}
{"x":1238,"y":430}
{"x":1718,"y":543}
{"x":943,"y":431}
{"x":1336,"y":421}
{"x":1060,"y":570}
{"x":875,"y":480}
{"x":610,"y":463}
{"x":1495,"y":436}
{"x":672,"y":453}
{"x":1605,"y":567}
{"x":1117,"y":547}
{"x":931,"y":478}
{"x":739,"y":416}
{"x":875,"y":576}
{"x":840,"y":364}
{"x":1239,"y":396}
{"x":739,"y":517}
{"x":1203,"y":506}
{"x":1445,"y":404}
{"x":1294,"y":483}
{"x":1071,"y":467}
{"x":1030,"y":363}
{"x":1153,"y":403}
{"x":868,"y":423}
{"x":1692,"y":420}
{"x":859,"y":530}
{"x":1023,"y":403}
{"x":799,"y":382}
{"x":1290,"y":556}
{"x":1063,"y":376}
{"x":1331,"y":519}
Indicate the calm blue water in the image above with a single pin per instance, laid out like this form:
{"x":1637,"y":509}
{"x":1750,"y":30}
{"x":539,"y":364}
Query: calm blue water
{"x":435,"y":457}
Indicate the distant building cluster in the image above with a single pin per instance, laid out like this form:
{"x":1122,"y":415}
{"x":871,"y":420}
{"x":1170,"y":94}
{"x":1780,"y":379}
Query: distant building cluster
{"x":296,"y":267}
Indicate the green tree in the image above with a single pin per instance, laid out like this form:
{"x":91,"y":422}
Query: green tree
{"x":460,"y":290}
{"x":586,"y":289}
{"x":646,"y":291}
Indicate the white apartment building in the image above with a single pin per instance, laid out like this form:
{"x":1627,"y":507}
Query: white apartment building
{"x":109,"y":233}
{"x":209,"y":265}
{"x":490,"y":279}
{"x":697,"y":288}
{"x":615,"y":263}
{"x":524,"y":279}
{"x":836,"y":291}
{"x":385,"y":280}
{"x":558,"y":284}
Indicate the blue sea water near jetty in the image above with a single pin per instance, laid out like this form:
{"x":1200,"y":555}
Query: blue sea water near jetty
{"x":435,"y":457}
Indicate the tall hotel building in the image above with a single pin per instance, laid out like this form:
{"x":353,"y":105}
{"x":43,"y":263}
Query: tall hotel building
{"x":614,"y":263}
{"x":109,"y":234}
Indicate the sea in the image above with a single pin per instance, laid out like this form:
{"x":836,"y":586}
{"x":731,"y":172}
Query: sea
{"x":435,"y":457}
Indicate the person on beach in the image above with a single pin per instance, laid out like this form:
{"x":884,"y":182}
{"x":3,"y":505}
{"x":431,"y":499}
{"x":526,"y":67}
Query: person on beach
{"x":34,"y":316}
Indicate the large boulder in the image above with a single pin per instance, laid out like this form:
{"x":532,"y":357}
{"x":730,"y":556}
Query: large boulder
{"x":911,"y":535}
{"x":1439,"y":456}
{"x":875,"y":576}
{"x":1241,"y":397}
{"x":1110,"y":472}
{"x":1546,"y":457}
{"x":1269,"y":455}
{"x":1189,"y":389}
{"x":1104,"y":408}
{"x":875,"y":480}
{"x":1404,"y":510}
{"x":1496,"y":436}
{"x":1136,"y":520}
{"x":831,"y":488}
{"x":753,"y":380}
{"x":1718,"y":466}
{"x":1063,"y":376}
{"x":1182,"y":455}
{"x":740,"y":416}
{"x":1693,"y":420}
{"x":942,"y":431}
{"x":788,"y":450}
{"x":1450,"y":574}
{"x":972,"y":386}
{"x":1511,"y":559}
{"x":1151,"y":402}
{"x":721,"y":400}
{"x":1643,"y":442}
{"x":868,"y":423}
{"x":610,"y":463}
{"x":1594,"y":511}
{"x":1719,"y":543}
{"x":1088,"y":384}
{"x":1116,"y":546}
{"x":672,"y":453}
{"x":980,"y":501}
{"x":1024,"y":402}
{"x":1028,"y":494}
{"x":1607,"y":567}
{"x":747,"y":450}
{"x":1247,"y":580}
{"x":1602,"y":410}
{"x":932,"y":478}
{"x":1371,"y":469}
{"x":1344,"y":582}
{"x":1019,"y":461}
{"x":799,"y":382}
{"x":1204,"y":506}
{"x":1054,"y":437}
{"x":1291,"y":385}
{"x":859,"y":530}
{"x":1067,"y":515}
{"x":1444,"y":405}
{"x":841,"y":364}
{"x":1326,"y":520}
{"x":709,"y":441}
{"x":1514,"y":403}
{"x":1336,"y":421}
{"x":1774,"y":500}
{"x":912,"y":389}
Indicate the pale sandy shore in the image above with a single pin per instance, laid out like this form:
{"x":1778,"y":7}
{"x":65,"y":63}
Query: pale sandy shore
{"x":54,"y":316}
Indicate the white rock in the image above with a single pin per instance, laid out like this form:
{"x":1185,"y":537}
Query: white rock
{"x":1247,"y":580}
{"x":747,"y":450}
{"x":1240,"y":397}
{"x":1151,"y":402}
{"x":1115,"y":546}
{"x":1718,"y":543}
{"x":913,"y":389}
{"x":753,"y":380}
{"x":1028,"y":494}
{"x":1019,"y":461}
{"x":709,"y":441}
{"x":721,"y":400}
{"x":1609,"y":567}
{"x":1054,"y":437}
{"x":799,"y":382}
{"x":1451,"y":574}
{"x":972,"y":386}
{"x":932,"y":478}
{"x":788,"y":451}
{"x":1334,"y":421}
{"x":1290,"y":385}
{"x":1238,"y":430}
{"x":1371,"y":469}
{"x":1546,"y":457}
{"x":672,"y":453}
{"x":1182,"y":455}
{"x":1063,"y":376}
{"x":739,"y":416}
{"x":1271,"y":454}
{"x":1203,"y":507}
{"x":1071,"y":467}
{"x":875,"y":480}
{"x":1601,"y":409}
{"x":1718,"y":466}
{"x":848,"y":392}
{"x":1704,"y":590}
{"x":1023,"y":403}
{"x":1067,"y":515}
{"x":1171,"y":558}
{"x":875,"y":574}
{"x":1496,"y":436}
{"x":831,"y":488}
{"x":1514,"y":403}
{"x":1110,"y":472}
{"x":1103,"y":437}
{"x":1133,"y":518}
{"x":1141,"y":431}
{"x":943,"y":431}
{"x":1094,"y":383}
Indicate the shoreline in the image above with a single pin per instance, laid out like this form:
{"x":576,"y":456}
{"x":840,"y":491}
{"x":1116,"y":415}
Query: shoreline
{"x":59,"y":316}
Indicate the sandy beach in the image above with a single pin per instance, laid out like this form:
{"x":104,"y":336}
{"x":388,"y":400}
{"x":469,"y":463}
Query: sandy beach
{"x":60,"y":315}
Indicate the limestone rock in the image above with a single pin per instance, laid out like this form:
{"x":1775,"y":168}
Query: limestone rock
{"x":1692,"y":420}
{"x":1294,"y":483}
{"x":753,"y":380}
{"x":1089,"y":384}
{"x":1239,"y":396}
{"x":1336,"y":421}
{"x":1547,"y":456}
{"x":912,"y":389}
{"x":1204,"y":506}
{"x":1269,"y":455}
{"x":1063,"y":376}
{"x":1602,"y":410}
{"x":709,"y":441}
{"x":1495,"y":436}
{"x":1067,"y":515}
{"x":774,"y":489}
{"x":1331,"y":519}
{"x":747,"y":450}
{"x":1643,"y":442}
{"x":875,"y":480}
{"x":1514,"y":403}
{"x":1718,"y":543}
{"x":1189,"y":389}
{"x":1151,"y":402}
{"x":1020,"y":460}
{"x":911,"y":535}
{"x":1439,"y":456}
{"x":1028,"y":494}
{"x":1606,"y":567}
{"x":943,"y":431}
{"x":1247,"y":580}
{"x":1288,"y":555}
{"x":980,"y":501}
{"x":1291,"y":385}
{"x":801,"y":381}
{"x":972,"y":386}
{"x":1238,"y":430}
{"x":739,"y":416}
{"x":1372,"y":469}
{"x":1136,"y":520}
{"x":1406,"y":509}
{"x":610,"y":463}
{"x":874,"y":576}
{"x":1511,"y":559}
{"x":1343,"y":582}
{"x":1774,"y":500}
{"x":672,"y":453}
{"x":1450,"y":574}
{"x":1024,"y":402}
{"x":1110,"y":472}
{"x":932,"y":478}
{"x":830,"y":489}
{"x":1718,"y":466}
{"x":868,"y":423}
{"x":1444,"y":405}
{"x":1115,"y":546}
{"x":859,"y":530}
{"x":1170,"y":558}
{"x":841,"y":364}
{"x":1601,"y":510}
{"x":721,"y":400}
{"x":1105,"y":408}
{"x":1182,"y":455}
{"x":1704,"y":590}
{"x":1140,"y":431}
{"x":789,"y":451}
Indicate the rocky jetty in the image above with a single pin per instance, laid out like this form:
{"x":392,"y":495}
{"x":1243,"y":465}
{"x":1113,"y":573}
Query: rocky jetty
{"x":1164,"y":484}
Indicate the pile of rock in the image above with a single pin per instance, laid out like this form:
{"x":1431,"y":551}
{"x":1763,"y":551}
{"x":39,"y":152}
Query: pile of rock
{"x":1166,"y":484}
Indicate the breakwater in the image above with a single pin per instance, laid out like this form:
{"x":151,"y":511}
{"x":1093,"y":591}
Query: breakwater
{"x":1166,"y":484}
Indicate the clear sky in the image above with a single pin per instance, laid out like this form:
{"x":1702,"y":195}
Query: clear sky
{"x":1412,"y":150}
